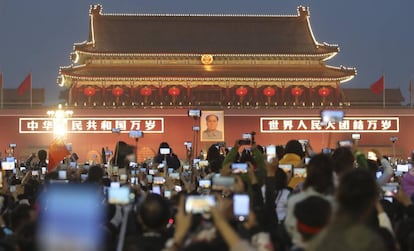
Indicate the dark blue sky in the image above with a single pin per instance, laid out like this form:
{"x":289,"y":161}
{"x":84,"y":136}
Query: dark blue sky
{"x":375,"y":36}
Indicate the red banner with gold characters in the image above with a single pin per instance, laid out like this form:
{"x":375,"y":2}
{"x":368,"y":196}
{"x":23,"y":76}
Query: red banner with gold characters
{"x":93,"y":125}
{"x":313,"y":125}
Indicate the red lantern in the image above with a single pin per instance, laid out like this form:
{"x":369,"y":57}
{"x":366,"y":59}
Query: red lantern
{"x":296,"y":92}
{"x":89,"y":91}
{"x":145,"y":91}
{"x":324,"y":92}
{"x":174,"y":92}
{"x":269,"y":92}
{"x":241,"y":91}
{"x":117,"y":91}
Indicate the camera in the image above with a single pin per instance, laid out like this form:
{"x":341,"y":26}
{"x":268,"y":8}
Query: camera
{"x":199,"y":204}
{"x":194,"y":113}
{"x":136,"y":134}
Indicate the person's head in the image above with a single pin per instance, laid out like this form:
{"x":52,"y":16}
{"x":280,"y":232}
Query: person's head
{"x":163,"y":145}
{"x":343,"y":160}
{"x":154,"y":213}
{"x":42,"y":155}
{"x":357,"y":193}
{"x":294,"y":146}
{"x":212,"y":122}
{"x":95,"y":174}
{"x":319,"y":174}
{"x":312,"y":215}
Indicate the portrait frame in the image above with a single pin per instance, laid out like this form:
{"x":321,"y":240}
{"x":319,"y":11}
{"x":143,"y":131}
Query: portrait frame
{"x":219,"y":137}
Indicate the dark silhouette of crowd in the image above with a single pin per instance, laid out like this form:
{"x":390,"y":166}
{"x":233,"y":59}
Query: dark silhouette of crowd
{"x":236,"y":199}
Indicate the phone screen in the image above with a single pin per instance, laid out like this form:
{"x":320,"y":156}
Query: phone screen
{"x":239,"y":167}
{"x":156,"y":189}
{"x":270,"y":152}
{"x":241,"y":206}
{"x":198,"y":204}
{"x":119,"y":195}
{"x":206,"y":184}
{"x":223,"y":182}
{"x":165,"y":150}
{"x":403,"y":167}
{"x":286,"y":167}
{"x":62,"y":175}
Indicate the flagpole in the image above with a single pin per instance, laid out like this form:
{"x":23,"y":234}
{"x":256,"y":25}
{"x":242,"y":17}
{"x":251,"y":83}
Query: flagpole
{"x":383,"y":93}
{"x":31,"y":91}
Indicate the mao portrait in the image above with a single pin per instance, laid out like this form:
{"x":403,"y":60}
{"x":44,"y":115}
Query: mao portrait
{"x":212,"y":126}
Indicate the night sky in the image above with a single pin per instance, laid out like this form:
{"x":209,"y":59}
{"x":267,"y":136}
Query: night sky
{"x":375,"y":36}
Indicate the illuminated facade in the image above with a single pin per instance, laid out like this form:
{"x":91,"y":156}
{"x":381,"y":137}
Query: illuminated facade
{"x":202,"y":60}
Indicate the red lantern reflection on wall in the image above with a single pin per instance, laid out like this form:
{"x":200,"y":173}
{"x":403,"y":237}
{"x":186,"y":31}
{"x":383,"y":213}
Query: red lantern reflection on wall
{"x":174,"y":92}
{"x":324,"y":92}
{"x":296,"y":92}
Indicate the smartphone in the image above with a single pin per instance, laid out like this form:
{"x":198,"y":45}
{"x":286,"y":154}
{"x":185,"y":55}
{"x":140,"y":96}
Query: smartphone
{"x":389,"y":198}
{"x":270,"y":152}
{"x":132,"y":164}
{"x":345,"y":143}
{"x":71,"y":211}
{"x":35,"y":173}
{"x":136,"y":134}
{"x":152,"y":171}
{"x":372,"y":156}
{"x":72,"y":164}
{"x":134,"y":180}
{"x":403,"y":167}
{"x":196,"y":128}
{"x":44,"y":169}
{"x":84,"y":176}
{"x":7,"y":165}
{"x":149,"y":178}
{"x":356,"y":136}
{"x":199,"y":204}
{"x":143,"y":170}
{"x":13,"y":145}
{"x":390,"y":189}
{"x":299,"y":172}
{"x":286,"y":167}
{"x":178,"y":188}
{"x":194,"y":113}
{"x":331,"y":116}
{"x":115,"y":170}
{"x":307,"y":159}
{"x":378,"y":174}
{"x":170,"y":170}
{"x":156,"y":189}
{"x":165,"y":150}
{"x":116,"y":130}
{"x":241,"y":206}
{"x":175,"y":176}
{"x":62,"y":174}
{"x":12,"y":189}
{"x":326,"y":150}
{"x":205,"y":184}
{"x":304,"y":143}
{"x":167,"y":194}
{"x":239,"y":168}
{"x":222,"y":182}
{"x":115,"y":184}
{"x":158,"y":180}
{"x":119,"y":195}
{"x":186,"y":167}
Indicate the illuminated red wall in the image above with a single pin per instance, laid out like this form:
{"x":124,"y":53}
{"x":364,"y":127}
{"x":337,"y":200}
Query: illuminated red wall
{"x":178,"y":128}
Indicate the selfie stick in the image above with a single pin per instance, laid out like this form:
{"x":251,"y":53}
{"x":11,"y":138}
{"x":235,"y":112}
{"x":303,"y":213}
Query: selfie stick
{"x":120,"y":245}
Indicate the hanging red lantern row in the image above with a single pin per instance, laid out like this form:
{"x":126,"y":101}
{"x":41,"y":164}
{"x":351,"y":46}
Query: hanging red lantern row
{"x":241,"y":91}
{"x":296,"y":92}
{"x":269,"y":92}
{"x":89,"y":91}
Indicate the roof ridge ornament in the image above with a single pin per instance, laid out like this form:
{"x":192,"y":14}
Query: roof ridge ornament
{"x":95,"y":9}
{"x":303,"y":11}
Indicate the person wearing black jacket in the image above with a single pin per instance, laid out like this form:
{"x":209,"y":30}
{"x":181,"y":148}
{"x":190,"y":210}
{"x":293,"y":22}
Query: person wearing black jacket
{"x":171,"y":158}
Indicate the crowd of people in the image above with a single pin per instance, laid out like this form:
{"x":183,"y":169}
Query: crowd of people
{"x":236,"y":199}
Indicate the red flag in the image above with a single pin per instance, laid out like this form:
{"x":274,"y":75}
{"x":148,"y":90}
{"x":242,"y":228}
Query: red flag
{"x":57,"y":152}
{"x":25,"y":85}
{"x":378,"y":86}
